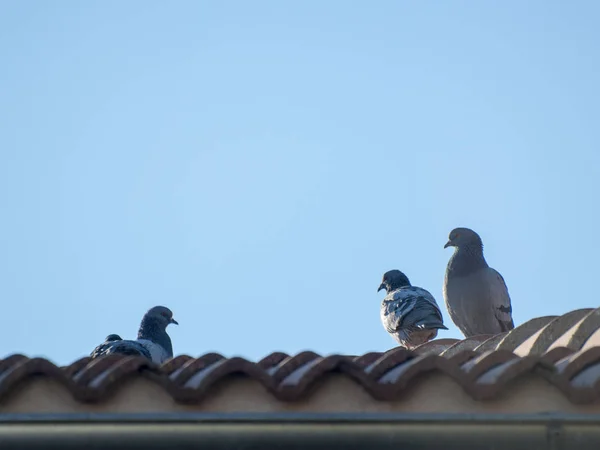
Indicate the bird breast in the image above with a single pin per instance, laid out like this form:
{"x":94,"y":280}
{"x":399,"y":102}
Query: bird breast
{"x":157,"y":352}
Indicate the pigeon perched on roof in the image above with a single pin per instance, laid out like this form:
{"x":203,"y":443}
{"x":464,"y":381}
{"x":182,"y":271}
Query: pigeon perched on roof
{"x":476,"y":295}
{"x":152,"y":341}
{"x":409,"y":313}
{"x":114,"y":344}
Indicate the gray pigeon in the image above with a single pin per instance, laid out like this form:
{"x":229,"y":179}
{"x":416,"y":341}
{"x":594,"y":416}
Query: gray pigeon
{"x":152,"y":342}
{"x":114,"y":344}
{"x":476,"y":295}
{"x":409,"y":313}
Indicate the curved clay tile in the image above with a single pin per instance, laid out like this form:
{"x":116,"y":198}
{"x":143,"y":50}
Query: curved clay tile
{"x":541,"y":341}
{"x":389,"y":376}
{"x":580,"y":332}
{"x":470,"y":343}
{"x":520,"y":334}
{"x":436,"y":346}
{"x":491,"y":343}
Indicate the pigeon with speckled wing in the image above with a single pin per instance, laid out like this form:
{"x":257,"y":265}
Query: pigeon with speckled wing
{"x":476,"y":295}
{"x":152,"y":342}
{"x":409,"y":313}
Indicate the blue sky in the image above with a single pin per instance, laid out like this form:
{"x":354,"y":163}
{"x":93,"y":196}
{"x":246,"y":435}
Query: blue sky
{"x":257,"y":166}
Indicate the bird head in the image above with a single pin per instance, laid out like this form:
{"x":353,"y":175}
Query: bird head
{"x":162,"y":315}
{"x":113,"y":337}
{"x":392,"y":280}
{"x":463,"y":237}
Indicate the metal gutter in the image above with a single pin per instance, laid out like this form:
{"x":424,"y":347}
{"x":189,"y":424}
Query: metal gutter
{"x":300,"y":431}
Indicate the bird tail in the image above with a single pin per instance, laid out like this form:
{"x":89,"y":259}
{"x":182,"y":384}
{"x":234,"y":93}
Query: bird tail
{"x":432,"y":324}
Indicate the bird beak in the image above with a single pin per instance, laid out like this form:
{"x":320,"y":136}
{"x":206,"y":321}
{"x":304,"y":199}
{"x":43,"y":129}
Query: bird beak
{"x":173,"y":321}
{"x":381,"y":286}
{"x":448,"y":244}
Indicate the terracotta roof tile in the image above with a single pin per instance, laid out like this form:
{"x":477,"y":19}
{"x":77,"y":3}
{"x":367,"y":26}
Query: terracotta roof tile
{"x":491,"y":343}
{"x":579,"y":333}
{"x":492,"y":381}
{"x":592,"y":341}
{"x":470,"y":343}
{"x":485,"y":362}
{"x":437,"y":346}
{"x":587,"y":378}
{"x":540,"y":341}
{"x":481,"y":375}
{"x":562,"y":350}
{"x":367,"y":359}
{"x":524,"y":331}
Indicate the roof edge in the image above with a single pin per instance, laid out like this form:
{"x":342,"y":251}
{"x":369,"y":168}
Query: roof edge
{"x":515,"y":435}
{"x":296,"y":418}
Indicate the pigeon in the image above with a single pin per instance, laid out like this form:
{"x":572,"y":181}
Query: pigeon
{"x":409,"y":313}
{"x":476,"y":295}
{"x":110,"y":346}
{"x":152,"y":342}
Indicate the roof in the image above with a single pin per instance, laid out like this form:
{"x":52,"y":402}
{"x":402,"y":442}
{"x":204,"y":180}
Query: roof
{"x":549,"y":363}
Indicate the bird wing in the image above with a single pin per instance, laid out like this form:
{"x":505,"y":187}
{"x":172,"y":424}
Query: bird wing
{"x":410,"y":307}
{"x":500,"y":300}
{"x":121,"y":347}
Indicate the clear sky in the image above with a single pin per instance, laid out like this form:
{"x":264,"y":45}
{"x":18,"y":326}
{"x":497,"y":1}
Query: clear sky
{"x":256,"y":166}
